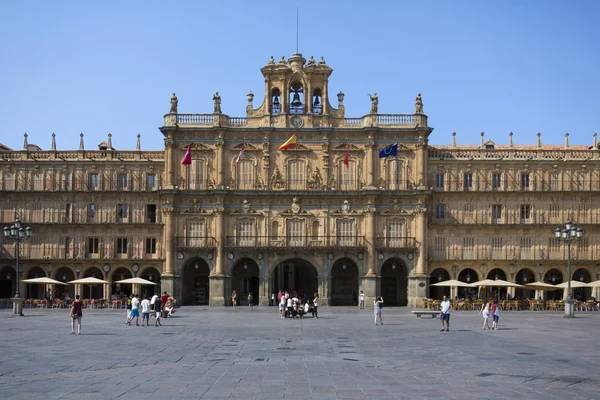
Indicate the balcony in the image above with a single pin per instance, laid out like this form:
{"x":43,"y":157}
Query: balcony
{"x":297,"y":242}
{"x":195,"y":242}
{"x":396,"y":243}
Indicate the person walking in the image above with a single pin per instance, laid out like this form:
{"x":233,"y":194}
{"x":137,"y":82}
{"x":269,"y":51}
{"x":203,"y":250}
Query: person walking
{"x":315,"y":308}
{"x":146,"y":311}
{"x":495,"y":315}
{"x":233,"y":298}
{"x":272,"y":300}
{"x":446,"y":306}
{"x":135,"y":312}
{"x":282,"y":305}
{"x":485,"y":312}
{"x":128,"y":307}
{"x":378,"y":303}
{"x":164,"y":298}
{"x":250,"y":300}
{"x":76,"y":315}
{"x":157,"y":311}
{"x":362,"y":300}
{"x":152,"y":301}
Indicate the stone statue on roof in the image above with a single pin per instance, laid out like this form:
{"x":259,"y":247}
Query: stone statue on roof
{"x":174,"y":102}
{"x":419,"y":104}
{"x":312,"y":61}
{"x":271,"y":61}
{"x":217,"y":99}
{"x":322,"y":61}
{"x":374,"y":103}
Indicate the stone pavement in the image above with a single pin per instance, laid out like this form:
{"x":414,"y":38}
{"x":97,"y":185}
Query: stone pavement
{"x":221,"y":353}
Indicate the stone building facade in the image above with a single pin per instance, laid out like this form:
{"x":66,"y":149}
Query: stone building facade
{"x":327,"y":216}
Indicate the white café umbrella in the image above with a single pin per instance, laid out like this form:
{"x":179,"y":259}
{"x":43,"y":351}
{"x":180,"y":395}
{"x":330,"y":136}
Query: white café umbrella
{"x":496,"y":283}
{"x":91,"y":281}
{"x":453,"y":282}
{"x":595,"y":284}
{"x":44,"y":281}
{"x":540,"y":286}
{"x":137,"y":281}
{"x":574,"y":284}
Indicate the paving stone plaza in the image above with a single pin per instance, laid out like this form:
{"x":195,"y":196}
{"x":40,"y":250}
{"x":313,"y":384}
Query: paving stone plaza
{"x":221,"y":353}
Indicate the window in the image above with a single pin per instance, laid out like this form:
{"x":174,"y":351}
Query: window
{"x":67,"y":182}
{"x":554,"y":210}
{"x":439,"y":244}
{"x":583,"y":242}
{"x":275,"y":230}
{"x":151,"y":213}
{"x":345,"y":232}
{"x":150,"y":181}
{"x":195,"y":233}
{"x":439,"y":181}
{"x":295,"y":232}
{"x":122,"y":212}
{"x":296,"y":175}
{"x":469,"y":243}
{"x":9,"y":181}
{"x":554,"y":181}
{"x":122,"y":181}
{"x":67,"y":213}
{"x":245,"y":174}
{"x":315,"y":230}
{"x":497,"y":243}
{"x":93,"y":245}
{"x":91,"y":212}
{"x":121,"y":245}
{"x":150,"y":245}
{"x":554,"y":244}
{"x":496,"y":213}
{"x":496,"y":180}
{"x":38,"y":181}
{"x":525,"y":213}
{"x":347,"y":176}
{"x":245,"y":233}
{"x":439,"y":211}
{"x":196,"y":178}
{"x":395,"y":234}
{"x":525,"y":181}
{"x":67,"y":247}
{"x":93,"y":182}
{"x":394,"y":169}
{"x":468,"y":181}
{"x":526,"y":243}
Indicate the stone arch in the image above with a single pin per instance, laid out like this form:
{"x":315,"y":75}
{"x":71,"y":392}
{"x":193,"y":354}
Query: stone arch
{"x":408,"y":264}
{"x":554,"y":276}
{"x":196,"y":256}
{"x":119,"y":274}
{"x":35,"y":291}
{"x":295,"y":274}
{"x":318,"y":266}
{"x":151,"y":274}
{"x":353,"y":258}
{"x":245,"y":276}
{"x":468,"y":275}
{"x":194,"y":281}
{"x":237,"y":258}
{"x":439,"y":274}
{"x":523,"y":277}
{"x":8,"y":282}
{"x":582,"y":274}
{"x":65,"y":274}
{"x":344,"y":276}
{"x":493,"y":274}
{"x":394,"y":282}
{"x":95,"y":291}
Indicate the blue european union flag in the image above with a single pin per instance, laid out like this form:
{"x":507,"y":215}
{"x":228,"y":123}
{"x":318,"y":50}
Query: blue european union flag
{"x":389,"y":151}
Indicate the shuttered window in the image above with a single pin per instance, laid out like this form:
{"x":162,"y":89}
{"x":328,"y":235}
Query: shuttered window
{"x":296,"y":175}
{"x":196,"y":175}
{"x":295,"y":232}
{"x":245,"y":174}
{"x":394,"y":173}
{"x":195,"y":231}
{"x":394,"y":236}
{"x":245,"y":234}
{"x":348,"y":176}
{"x":345,"y":232}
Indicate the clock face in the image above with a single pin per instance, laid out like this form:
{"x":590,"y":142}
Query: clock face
{"x":296,"y":122}
{"x":180,"y":256}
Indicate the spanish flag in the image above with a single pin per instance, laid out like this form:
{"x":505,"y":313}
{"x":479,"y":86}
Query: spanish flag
{"x":290,"y":144}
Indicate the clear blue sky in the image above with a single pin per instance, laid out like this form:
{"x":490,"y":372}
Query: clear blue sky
{"x":111,"y":66}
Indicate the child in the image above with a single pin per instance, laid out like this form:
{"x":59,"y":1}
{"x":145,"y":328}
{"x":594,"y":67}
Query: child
{"x":485,"y":312}
{"x":495,"y":315}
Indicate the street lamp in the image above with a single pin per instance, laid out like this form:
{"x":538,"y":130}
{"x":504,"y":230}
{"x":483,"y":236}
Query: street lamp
{"x":567,"y":235}
{"x":17,"y":233}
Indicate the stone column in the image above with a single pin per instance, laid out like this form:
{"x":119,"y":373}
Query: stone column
{"x":167,"y":277}
{"x":370,"y":164}
{"x":217,"y":279}
{"x":369,"y":280}
{"x":220,"y":145}
{"x":169,"y":173}
{"x":419,"y":280}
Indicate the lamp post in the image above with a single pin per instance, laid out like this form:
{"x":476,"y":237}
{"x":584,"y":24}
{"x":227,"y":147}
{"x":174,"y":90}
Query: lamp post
{"x":17,"y":233}
{"x":567,"y":235}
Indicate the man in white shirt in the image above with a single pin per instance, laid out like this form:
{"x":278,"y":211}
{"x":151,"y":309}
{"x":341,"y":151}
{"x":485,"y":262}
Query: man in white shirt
{"x":152,"y":301}
{"x":135,"y":312}
{"x":362,"y":300}
{"x":145,"y":311}
{"x":445,"y":313}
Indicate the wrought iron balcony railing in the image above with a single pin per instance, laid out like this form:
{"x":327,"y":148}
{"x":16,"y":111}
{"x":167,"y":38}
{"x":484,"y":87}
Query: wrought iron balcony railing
{"x":195,"y":242}
{"x":296,"y":242}
{"x":396,"y":242}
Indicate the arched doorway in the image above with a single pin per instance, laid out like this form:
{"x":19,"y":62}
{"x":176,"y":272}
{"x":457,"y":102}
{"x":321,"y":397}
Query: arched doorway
{"x":344,"y":283}
{"x":467,"y":275}
{"x":582,"y":275}
{"x":524,"y":277}
{"x":296,"y":275}
{"x":195,"y":284}
{"x":245,"y":279}
{"x":35,"y":291}
{"x":93,"y":291}
{"x":7,"y":282}
{"x":151,"y":274}
{"x":394,"y":283}
{"x":554,"y":277}
{"x":121,"y":290}
{"x":437,"y":292}
{"x":66,"y":274}
{"x":492,"y":292}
